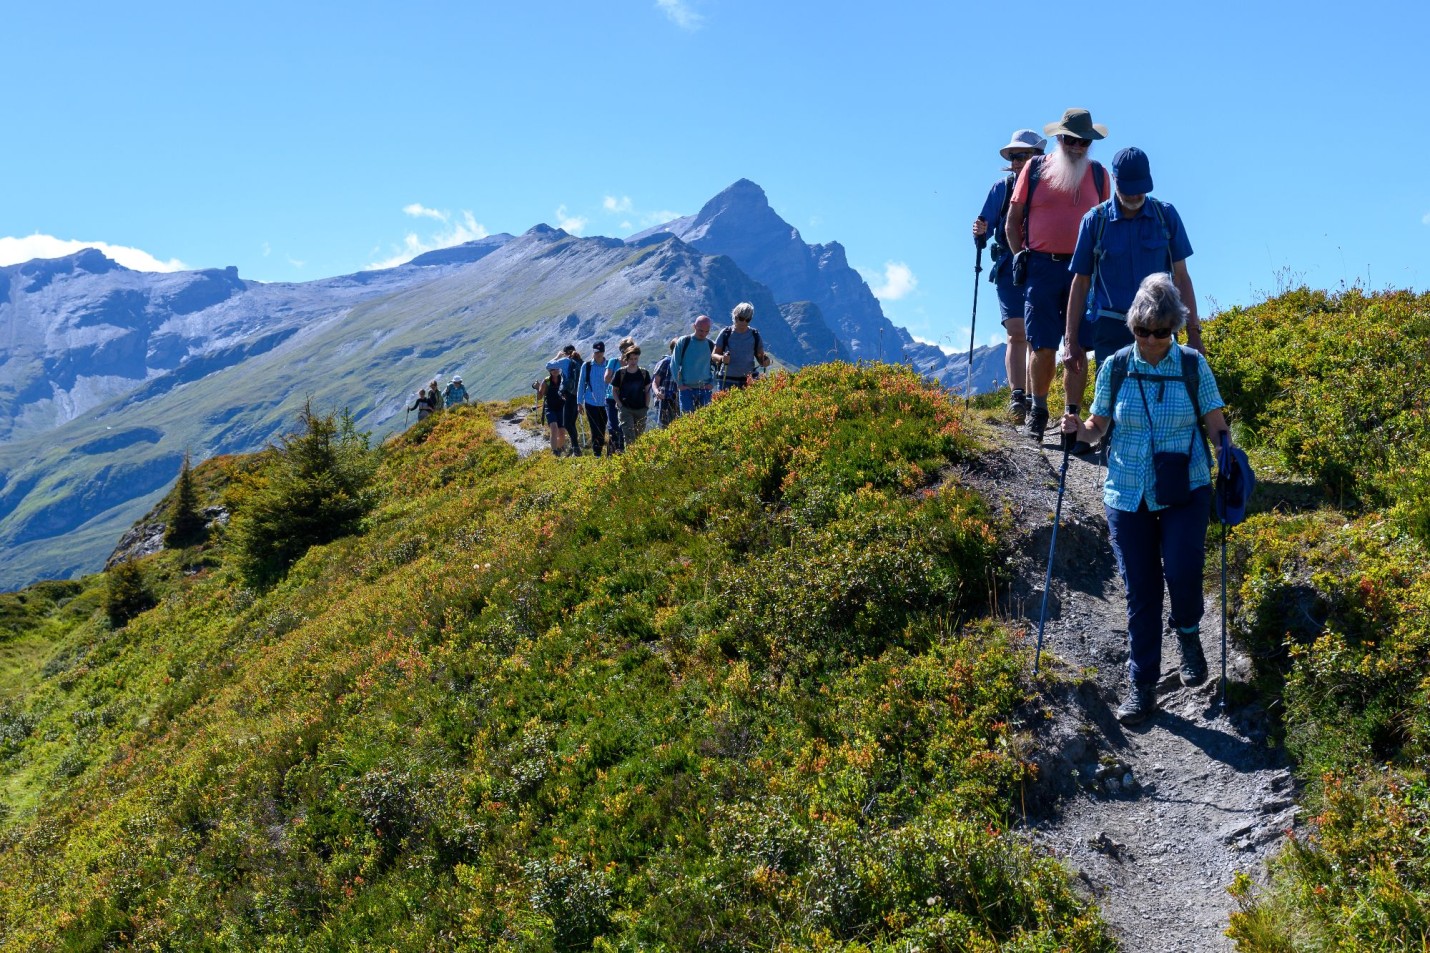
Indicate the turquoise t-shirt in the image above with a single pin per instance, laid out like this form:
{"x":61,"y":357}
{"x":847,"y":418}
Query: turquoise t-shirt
{"x":692,"y":363}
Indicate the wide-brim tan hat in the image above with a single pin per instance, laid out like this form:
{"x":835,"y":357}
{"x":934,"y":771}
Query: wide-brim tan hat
{"x":1076,"y":122}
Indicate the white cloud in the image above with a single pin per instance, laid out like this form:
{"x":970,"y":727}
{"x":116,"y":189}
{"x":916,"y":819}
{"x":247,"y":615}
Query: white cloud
{"x":568,"y":222}
{"x":465,"y":228}
{"x":295,"y":262}
{"x":618,"y":205}
{"x":418,"y":210}
{"x":1425,"y":219}
{"x":898,"y":281}
{"x":15,"y":250}
{"x":267,"y":249}
{"x":658,"y":218}
{"x":942,"y":347}
{"x":680,"y":13}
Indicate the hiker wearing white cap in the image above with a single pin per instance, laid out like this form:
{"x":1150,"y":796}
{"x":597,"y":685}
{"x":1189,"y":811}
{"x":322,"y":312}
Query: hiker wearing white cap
{"x":1051,"y":196}
{"x":456,"y":392}
{"x":1022,"y":146}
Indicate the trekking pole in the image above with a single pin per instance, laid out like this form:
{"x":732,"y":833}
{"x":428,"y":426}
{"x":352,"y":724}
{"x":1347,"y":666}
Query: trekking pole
{"x":1223,"y":489}
{"x":973,"y":324}
{"x":1052,"y":547}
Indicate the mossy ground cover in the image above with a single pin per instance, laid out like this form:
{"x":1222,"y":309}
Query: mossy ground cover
{"x":1334,"y":603}
{"x":735,"y":689}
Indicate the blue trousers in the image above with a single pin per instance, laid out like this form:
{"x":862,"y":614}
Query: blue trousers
{"x":1153,"y":546}
{"x":693,"y":398}
{"x":1010,"y":299}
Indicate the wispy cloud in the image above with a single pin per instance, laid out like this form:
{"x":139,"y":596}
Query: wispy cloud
{"x":1425,"y":219}
{"x":618,"y":205}
{"x":457,"y":228}
{"x":681,"y":14}
{"x":16,"y":250}
{"x":941,"y":345}
{"x":418,"y":210}
{"x":568,"y":222}
{"x":897,"y":282}
{"x":625,"y":207}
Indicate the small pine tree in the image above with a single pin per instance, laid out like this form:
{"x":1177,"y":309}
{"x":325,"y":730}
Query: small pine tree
{"x":185,"y":524}
{"x":127,"y":594}
{"x":313,"y":490}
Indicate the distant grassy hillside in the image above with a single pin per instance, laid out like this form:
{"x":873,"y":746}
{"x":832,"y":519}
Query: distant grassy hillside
{"x":733,"y":690}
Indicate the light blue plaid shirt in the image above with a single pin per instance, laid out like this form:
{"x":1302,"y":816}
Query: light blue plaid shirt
{"x":1131,"y":477}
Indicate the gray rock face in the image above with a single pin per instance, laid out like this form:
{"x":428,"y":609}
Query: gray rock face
{"x":740,"y":223}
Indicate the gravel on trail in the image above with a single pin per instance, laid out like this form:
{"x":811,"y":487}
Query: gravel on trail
{"x":1154,"y":819}
{"x":511,"y":428}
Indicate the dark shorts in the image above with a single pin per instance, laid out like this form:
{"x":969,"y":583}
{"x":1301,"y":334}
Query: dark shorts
{"x":557,"y":417}
{"x":1109,"y":336}
{"x":1010,"y":299}
{"x":1045,"y":310}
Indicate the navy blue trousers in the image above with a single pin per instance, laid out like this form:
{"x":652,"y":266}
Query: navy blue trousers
{"x":1153,"y":547}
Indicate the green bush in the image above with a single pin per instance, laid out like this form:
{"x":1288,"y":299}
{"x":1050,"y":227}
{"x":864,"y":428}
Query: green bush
{"x":313,"y":490}
{"x":128,"y":593}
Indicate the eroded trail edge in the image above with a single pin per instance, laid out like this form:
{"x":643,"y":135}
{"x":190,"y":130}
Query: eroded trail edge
{"x":1155,"y":819}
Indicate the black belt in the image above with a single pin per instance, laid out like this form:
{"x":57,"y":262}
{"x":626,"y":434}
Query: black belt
{"x":1050,"y":256}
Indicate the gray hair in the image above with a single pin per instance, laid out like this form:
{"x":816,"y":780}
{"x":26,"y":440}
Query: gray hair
{"x":743,"y":310}
{"x":1157,"y":305}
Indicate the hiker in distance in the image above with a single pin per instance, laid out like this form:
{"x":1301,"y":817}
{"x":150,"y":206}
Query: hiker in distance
{"x":662,"y":385}
{"x":1024,"y":145}
{"x":555,"y":406}
{"x":423,"y":405}
{"x":1051,"y":196}
{"x":568,"y":362}
{"x":1119,"y":243}
{"x":613,"y":411}
{"x":594,"y":393}
{"x":631,"y":387}
{"x":693,"y":377}
{"x":1155,"y":395}
{"x":456,"y":392}
{"x":738,"y":348}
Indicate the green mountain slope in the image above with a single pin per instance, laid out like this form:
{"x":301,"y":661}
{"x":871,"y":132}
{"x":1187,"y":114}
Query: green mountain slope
{"x":734,"y":689}
{"x":67,"y":495}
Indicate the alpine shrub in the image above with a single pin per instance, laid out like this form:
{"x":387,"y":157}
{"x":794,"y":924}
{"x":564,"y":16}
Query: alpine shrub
{"x":128,"y":593}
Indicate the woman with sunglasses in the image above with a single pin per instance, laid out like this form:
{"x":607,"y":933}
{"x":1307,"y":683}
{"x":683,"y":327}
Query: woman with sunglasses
{"x":1158,"y":487}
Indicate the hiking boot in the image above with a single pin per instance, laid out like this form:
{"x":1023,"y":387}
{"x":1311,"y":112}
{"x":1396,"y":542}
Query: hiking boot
{"x":1037,"y":423}
{"x":1082,"y":448}
{"x":1018,"y":407}
{"x":1194,"y":661}
{"x":1139,"y":705}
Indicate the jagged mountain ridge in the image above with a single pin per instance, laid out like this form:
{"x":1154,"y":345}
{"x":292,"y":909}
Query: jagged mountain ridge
{"x":66,"y":494}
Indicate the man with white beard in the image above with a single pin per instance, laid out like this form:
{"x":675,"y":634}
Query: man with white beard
{"x":1052,"y":195}
{"x":1119,"y":243}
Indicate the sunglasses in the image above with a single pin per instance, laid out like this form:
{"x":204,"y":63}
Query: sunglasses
{"x":1074,"y":141}
{"x":1160,"y":334}
{"x":1022,"y":156}
{"x":743,"y":320}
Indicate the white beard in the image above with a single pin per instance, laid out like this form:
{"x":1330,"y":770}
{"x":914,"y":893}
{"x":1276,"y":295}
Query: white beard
{"x":1141,"y":201}
{"x":1063,"y":173}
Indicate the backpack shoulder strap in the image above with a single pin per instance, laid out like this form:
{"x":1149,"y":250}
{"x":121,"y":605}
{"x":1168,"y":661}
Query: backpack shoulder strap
{"x":759,"y":348}
{"x":1166,"y":232}
{"x":1008,"y":185}
{"x":723,"y":338}
{"x":1192,"y":376}
{"x":1121,"y":362}
{"x":1099,"y":181}
{"x":1035,"y":169}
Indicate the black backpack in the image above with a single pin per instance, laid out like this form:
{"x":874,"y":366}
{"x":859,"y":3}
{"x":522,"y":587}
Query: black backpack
{"x":569,"y":380}
{"x":631,"y":385}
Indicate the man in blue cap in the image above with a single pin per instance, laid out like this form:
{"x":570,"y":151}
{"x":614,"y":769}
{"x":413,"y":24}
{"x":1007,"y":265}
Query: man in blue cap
{"x":1120,"y":242}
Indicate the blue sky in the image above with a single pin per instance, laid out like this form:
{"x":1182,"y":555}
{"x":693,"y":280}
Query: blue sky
{"x":298,"y":141}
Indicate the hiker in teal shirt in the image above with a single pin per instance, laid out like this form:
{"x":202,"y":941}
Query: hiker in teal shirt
{"x":693,"y":376}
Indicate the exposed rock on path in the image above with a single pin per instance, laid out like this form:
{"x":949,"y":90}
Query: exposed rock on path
{"x":1154,"y":818}
{"x":510,"y":428}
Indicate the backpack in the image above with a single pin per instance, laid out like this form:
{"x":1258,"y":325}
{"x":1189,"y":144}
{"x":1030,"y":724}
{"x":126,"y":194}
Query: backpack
{"x":632,"y":387}
{"x":1102,"y":212}
{"x":664,"y":379}
{"x":723,"y":340}
{"x":684,"y":343}
{"x":1191,"y":376}
{"x":569,"y":380}
{"x":1035,"y":170}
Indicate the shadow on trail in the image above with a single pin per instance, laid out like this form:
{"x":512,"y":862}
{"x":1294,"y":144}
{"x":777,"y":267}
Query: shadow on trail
{"x":1219,"y":744}
{"x":1080,"y":563}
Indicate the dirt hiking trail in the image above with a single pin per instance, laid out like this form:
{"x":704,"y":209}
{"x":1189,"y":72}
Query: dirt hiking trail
{"x":1155,"y":818}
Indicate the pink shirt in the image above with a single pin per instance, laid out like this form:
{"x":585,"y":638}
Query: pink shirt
{"x":1054,"y":216}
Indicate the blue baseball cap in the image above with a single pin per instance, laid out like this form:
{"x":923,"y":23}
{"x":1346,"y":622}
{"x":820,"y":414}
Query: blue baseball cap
{"x":1132,"y":171}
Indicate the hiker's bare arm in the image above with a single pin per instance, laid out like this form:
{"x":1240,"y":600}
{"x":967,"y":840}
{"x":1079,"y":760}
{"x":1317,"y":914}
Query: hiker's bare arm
{"x":1013,"y":228}
{"x":1183,"y":280}
{"x":1073,"y":354}
{"x":1216,"y":425}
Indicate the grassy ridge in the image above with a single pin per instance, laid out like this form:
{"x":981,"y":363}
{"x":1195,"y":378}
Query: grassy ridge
{"x":729,"y":690}
{"x":1335,"y":604}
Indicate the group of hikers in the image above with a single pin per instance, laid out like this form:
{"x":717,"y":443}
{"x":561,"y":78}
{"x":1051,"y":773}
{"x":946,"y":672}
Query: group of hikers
{"x":617,"y":394}
{"x":433,"y":397}
{"x":1084,"y":261}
